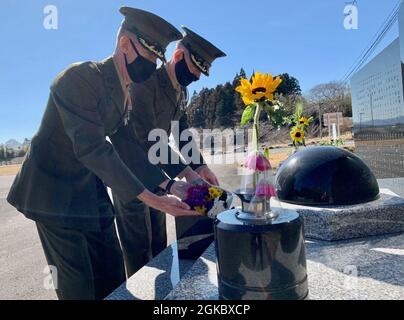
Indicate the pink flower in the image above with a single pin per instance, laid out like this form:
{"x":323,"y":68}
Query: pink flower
{"x":266,"y":190}
{"x":257,"y":163}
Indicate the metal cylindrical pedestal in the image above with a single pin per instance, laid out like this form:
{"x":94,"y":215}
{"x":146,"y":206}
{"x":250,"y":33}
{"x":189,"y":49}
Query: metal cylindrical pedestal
{"x":261,"y":262}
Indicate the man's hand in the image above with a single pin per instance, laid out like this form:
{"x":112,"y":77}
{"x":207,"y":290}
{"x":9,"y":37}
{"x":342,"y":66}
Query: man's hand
{"x":208,"y":175}
{"x":170,"y":205}
{"x":189,"y":174}
{"x":179,"y":189}
{"x":192,"y":177}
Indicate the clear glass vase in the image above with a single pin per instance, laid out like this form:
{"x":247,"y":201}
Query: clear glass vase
{"x":257,"y":188}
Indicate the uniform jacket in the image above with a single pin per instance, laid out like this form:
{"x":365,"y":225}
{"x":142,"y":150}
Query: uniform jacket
{"x":155,"y":106}
{"x":57,"y":183}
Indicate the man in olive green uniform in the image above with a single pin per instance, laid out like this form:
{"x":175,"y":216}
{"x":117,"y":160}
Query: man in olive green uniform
{"x":157,"y":102}
{"x":62,"y":182}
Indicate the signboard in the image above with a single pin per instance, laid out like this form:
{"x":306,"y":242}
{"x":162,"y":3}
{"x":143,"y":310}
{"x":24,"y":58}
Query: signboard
{"x":330,"y":118}
{"x":333,"y":121}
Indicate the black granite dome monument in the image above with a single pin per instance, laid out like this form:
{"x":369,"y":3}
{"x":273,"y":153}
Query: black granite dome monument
{"x":325,"y":176}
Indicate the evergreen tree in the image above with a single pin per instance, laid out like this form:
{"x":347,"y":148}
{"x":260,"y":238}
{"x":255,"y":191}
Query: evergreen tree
{"x":238,"y":102}
{"x":222,"y":106}
{"x":9,"y":154}
{"x":289,"y":86}
{"x":210,"y":106}
{"x":2,"y":153}
{"x":225,"y":106}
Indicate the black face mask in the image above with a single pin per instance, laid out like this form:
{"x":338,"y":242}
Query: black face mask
{"x":140,"y":69}
{"x":184,"y":76}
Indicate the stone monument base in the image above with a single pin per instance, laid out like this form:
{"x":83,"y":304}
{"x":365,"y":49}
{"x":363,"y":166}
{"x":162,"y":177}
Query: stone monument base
{"x":380,"y":217}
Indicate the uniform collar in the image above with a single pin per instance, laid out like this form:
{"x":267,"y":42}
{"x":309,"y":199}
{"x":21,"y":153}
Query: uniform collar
{"x":123,"y":85}
{"x":165,"y":81}
{"x":166,"y":85}
{"x":112,"y":83}
{"x":164,"y":78}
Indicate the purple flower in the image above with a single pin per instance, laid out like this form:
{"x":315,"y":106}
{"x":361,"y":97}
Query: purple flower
{"x":196,"y":197}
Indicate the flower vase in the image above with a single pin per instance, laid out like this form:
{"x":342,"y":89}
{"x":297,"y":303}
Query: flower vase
{"x":257,"y":188}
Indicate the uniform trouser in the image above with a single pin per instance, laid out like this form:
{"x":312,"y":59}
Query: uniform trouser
{"x":89,"y":265}
{"x":142,"y":232}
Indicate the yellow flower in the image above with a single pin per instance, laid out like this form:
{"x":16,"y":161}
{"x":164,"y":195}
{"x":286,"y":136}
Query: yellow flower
{"x":245,"y":90}
{"x":262,"y":87}
{"x":297,"y":135}
{"x":303,"y":121}
{"x":215,"y":193}
{"x":200,"y":209}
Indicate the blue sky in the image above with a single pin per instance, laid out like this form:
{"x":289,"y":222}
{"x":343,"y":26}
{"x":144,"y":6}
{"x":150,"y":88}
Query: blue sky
{"x":304,"y":38}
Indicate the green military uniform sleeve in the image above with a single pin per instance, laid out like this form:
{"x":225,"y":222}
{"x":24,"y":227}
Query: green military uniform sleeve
{"x":173,"y":169}
{"x":183,"y":125}
{"x":134,"y":156}
{"x":76,"y":96}
{"x":144,"y":121}
{"x":143,"y":118}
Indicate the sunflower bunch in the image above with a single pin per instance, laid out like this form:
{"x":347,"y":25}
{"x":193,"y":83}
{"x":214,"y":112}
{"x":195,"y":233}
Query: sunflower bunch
{"x":299,"y":124}
{"x":258,"y":95}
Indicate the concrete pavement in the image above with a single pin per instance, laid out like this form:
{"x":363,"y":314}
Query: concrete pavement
{"x":22,"y":261}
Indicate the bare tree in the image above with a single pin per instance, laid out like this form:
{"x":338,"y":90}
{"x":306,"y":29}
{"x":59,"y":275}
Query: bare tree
{"x":331,"y":97}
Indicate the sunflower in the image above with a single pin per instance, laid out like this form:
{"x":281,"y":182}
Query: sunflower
{"x":245,"y":90}
{"x":297,"y":135}
{"x":303,"y":121}
{"x":262,"y":87}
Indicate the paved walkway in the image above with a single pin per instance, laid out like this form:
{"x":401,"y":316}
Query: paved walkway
{"x":22,"y":261}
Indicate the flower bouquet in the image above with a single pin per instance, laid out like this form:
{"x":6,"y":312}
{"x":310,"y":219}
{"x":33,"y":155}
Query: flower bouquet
{"x":258,"y":178}
{"x":207,"y":199}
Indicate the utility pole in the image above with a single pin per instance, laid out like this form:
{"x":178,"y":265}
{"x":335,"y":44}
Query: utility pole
{"x":360,"y":120}
{"x":371,"y":108}
{"x":321,"y":121}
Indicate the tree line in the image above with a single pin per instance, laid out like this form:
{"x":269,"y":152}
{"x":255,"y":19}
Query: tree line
{"x":222,"y":107}
{"x":7,"y":154}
